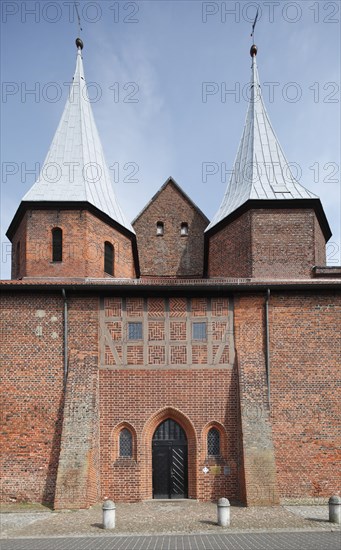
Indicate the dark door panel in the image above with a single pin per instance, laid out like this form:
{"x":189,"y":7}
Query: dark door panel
{"x":179,"y":471}
{"x":169,"y":469}
{"x":161,"y":466}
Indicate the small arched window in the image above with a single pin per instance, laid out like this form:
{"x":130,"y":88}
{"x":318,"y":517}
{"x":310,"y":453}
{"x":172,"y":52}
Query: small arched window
{"x":159,"y":228}
{"x":57,"y":244}
{"x":125,"y":444}
{"x":18,"y":258}
{"x":184,"y":229}
{"x":213,"y":442}
{"x":108,"y":258}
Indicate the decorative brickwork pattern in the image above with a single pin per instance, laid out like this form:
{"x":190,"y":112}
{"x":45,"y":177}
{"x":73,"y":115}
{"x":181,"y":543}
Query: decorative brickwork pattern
{"x":32,"y":395}
{"x":156,"y":307}
{"x":166,"y":337}
{"x":178,"y":355}
{"x":177,"y":307}
{"x":112,"y":307}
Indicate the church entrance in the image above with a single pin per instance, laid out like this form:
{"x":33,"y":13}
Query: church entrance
{"x":170,"y":471}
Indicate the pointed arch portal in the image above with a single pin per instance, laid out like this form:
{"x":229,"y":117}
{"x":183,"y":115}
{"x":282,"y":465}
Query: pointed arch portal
{"x":170,"y":461}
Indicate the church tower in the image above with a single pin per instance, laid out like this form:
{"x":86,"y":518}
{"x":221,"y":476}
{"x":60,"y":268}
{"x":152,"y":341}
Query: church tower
{"x":69,"y":224}
{"x":268,"y":224}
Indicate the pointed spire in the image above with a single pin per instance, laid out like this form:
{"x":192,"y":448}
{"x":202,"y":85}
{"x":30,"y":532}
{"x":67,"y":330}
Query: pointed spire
{"x":260,"y":171}
{"x":75,"y":169}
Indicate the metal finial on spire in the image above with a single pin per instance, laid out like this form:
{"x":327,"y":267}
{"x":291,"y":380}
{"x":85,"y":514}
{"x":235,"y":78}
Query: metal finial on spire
{"x":79,"y":19}
{"x":253,"y":50}
{"x":254,"y":24}
{"x":79,"y":41}
{"x":79,"y":44}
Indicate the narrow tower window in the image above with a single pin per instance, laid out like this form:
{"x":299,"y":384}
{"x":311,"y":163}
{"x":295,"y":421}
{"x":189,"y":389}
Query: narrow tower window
{"x":57,"y":244}
{"x":213,"y":442}
{"x":159,"y":228}
{"x":18,"y":258}
{"x":108,"y":258}
{"x":184,"y":229}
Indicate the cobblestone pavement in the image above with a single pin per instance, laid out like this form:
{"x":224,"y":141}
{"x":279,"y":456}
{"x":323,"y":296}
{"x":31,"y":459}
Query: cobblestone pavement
{"x":242,"y":541}
{"x":155,"y":517}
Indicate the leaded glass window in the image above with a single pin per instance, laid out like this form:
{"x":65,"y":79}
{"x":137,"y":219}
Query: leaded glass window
{"x":126,"y":443}
{"x":169,"y":430}
{"x":213,"y":442}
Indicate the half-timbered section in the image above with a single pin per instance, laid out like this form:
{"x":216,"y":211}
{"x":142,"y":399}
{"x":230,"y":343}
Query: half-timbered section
{"x":166,"y":332}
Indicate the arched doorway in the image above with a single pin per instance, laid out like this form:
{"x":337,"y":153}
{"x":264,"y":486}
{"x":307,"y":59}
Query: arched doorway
{"x":170,"y":470}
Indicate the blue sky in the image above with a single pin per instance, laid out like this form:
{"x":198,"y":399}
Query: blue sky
{"x":160,"y":72}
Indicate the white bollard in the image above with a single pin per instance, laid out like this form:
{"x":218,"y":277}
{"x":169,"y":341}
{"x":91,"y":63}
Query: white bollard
{"x":334,"y":504}
{"x":109,"y":514}
{"x":223,"y":509}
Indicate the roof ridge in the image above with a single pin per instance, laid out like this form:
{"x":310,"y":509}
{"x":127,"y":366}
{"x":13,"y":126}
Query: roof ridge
{"x":169,"y":180}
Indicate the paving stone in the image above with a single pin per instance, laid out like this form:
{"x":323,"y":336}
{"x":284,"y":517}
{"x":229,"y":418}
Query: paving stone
{"x":155,"y":517}
{"x":246,"y":541}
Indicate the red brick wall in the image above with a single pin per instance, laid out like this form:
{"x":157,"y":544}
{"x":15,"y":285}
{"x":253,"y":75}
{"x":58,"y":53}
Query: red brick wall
{"x":18,"y":265}
{"x":284,"y":243}
{"x":32,"y":398}
{"x":230,"y":250}
{"x":263,"y":243}
{"x":143,"y":399}
{"x":305,"y":381}
{"x":193,"y":397}
{"x":302,"y":427}
{"x":83,"y":245}
{"x":306,"y":395}
{"x":78,"y":483}
{"x":259,"y":468}
{"x":171,"y":254}
{"x":320,"y":245}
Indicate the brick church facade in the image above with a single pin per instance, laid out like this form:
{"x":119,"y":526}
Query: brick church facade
{"x":174,"y":357}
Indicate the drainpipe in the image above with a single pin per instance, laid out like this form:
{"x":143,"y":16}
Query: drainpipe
{"x":65,"y":351}
{"x":267,"y":342}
